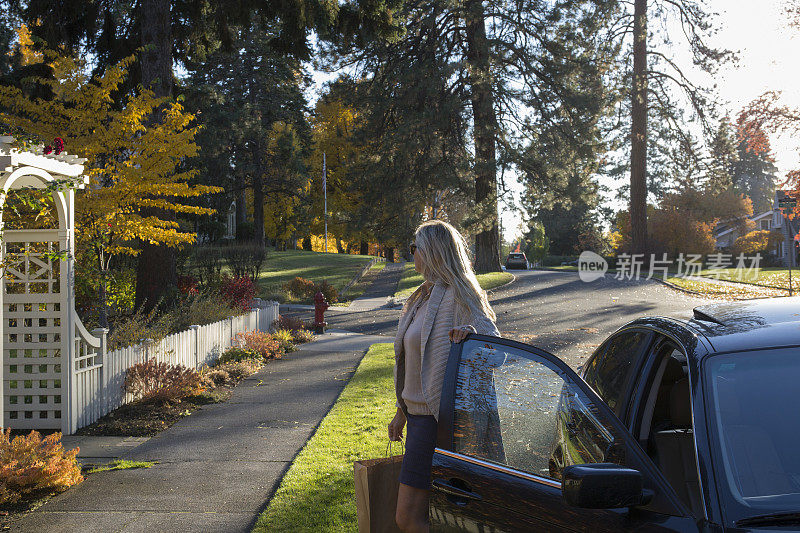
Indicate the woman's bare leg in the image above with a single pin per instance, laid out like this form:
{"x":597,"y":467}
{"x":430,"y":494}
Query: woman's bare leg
{"x":412,"y":509}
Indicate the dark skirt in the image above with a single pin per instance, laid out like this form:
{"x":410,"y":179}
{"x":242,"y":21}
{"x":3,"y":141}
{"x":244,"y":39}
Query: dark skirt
{"x":420,"y":442}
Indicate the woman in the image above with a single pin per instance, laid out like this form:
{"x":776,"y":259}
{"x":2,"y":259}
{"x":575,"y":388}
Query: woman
{"x":447,"y":307}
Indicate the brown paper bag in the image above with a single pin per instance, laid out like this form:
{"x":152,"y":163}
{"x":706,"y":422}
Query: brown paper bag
{"x":377,"y":481}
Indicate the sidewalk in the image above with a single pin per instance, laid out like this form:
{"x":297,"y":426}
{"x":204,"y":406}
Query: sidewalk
{"x":381,"y":290}
{"x":217,"y":468}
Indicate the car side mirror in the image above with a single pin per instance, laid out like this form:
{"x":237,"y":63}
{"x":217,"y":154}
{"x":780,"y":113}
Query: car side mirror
{"x":603,"y":486}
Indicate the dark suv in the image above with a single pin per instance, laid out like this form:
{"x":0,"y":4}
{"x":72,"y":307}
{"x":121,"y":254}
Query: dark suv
{"x":517,"y":260}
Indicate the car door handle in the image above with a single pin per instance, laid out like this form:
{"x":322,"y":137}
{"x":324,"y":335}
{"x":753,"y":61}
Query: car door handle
{"x":443,"y":486}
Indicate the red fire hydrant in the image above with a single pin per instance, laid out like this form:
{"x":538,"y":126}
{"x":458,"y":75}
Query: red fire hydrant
{"x":320,"y":306}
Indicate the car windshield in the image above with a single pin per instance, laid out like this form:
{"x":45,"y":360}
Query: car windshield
{"x":515,"y":256}
{"x":752,"y":398}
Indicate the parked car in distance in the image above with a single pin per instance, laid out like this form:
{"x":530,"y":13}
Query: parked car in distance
{"x":569,"y":263}
{"x":516,"y":260}
{"x":672,"y":425}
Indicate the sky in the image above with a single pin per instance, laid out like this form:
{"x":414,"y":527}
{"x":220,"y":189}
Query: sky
{"x":768,"y":51}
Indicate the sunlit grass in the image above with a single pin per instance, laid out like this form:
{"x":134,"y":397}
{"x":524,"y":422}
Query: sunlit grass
{"x":738,"y":291}
{"x":412,"y":279}
{"x":318,"y":492}
{"x":337,"y":269}
{"x":121,"y":464}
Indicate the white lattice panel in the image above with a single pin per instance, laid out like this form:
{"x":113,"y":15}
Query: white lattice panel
{"x":34,"y":389}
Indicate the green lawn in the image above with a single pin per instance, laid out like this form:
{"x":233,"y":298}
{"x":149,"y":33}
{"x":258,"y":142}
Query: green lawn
{"x":727,"y":291}
{"x":280,"y":267}
{"x":412,"y":279}
{"x":775,"y":277}
{"x":317,"y":493}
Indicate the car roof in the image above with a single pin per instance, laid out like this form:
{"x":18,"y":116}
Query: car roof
{"x":747,"y":324}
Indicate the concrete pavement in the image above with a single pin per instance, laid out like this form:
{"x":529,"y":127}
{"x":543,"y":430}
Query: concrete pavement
{"x":218,"y":468}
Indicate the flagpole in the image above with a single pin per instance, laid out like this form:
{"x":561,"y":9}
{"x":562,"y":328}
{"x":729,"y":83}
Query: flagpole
{"x":325,"y":192}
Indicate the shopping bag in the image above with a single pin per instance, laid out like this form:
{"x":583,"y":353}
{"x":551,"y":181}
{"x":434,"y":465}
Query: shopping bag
{"x":377,"y":481}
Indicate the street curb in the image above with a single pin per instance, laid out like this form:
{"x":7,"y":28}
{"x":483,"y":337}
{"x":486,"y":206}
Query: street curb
{"x":506,"y":284}
{"x":681,"y":289}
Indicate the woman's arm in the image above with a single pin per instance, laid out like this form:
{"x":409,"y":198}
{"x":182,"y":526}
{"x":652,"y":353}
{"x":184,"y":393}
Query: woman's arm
{"x":480,"y":323}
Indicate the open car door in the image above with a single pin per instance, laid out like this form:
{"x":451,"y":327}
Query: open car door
{"x":512,"y":418}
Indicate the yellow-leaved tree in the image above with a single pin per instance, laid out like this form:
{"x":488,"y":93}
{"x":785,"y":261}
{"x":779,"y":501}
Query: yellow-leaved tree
{"x":334,"y":125}
{"x":134,"y":147}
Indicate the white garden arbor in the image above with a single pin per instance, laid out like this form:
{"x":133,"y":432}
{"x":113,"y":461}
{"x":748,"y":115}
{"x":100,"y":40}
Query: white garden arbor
{"x":51,"y":365}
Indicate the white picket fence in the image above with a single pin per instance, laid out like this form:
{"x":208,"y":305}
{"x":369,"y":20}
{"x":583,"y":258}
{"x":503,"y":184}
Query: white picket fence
{"x":96,"y":388}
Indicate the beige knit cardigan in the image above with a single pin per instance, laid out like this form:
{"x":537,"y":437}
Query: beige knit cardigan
{"x":435,"y":344}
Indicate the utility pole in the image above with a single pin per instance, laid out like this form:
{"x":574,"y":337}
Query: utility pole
{"x":325,"y":193}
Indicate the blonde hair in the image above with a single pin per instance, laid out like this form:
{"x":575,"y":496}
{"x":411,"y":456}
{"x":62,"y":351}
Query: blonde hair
{"x":445,"y":260}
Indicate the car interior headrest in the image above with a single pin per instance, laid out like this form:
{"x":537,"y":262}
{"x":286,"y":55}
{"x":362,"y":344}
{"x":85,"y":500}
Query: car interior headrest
{"x":680,"y":408}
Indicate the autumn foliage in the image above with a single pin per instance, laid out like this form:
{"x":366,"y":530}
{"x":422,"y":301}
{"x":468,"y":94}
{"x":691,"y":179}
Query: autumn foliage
{"x":263,"y":344}
{"x":758,"y":241}
{"x":154,"y":381}
{"x":33,"y":466}
{"x":684,"y":221}
{"x":238,"y":292}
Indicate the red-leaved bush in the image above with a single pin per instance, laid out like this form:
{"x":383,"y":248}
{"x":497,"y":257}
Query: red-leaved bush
{"x":261,"y":343}
{"x":238,"y":292}
{"x":152,"y":380}
{"x":35,"y":466}
{"x":188,"y":285}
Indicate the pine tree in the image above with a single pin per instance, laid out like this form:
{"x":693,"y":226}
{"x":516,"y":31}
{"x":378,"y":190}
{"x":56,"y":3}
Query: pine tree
{"x":535,"y":65}
{"x":656,"y":86}
{"x":252,"y":105}
{"x":754,"y":172}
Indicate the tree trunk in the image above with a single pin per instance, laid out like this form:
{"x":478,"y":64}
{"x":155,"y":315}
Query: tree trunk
{"x":364,"y":248}
{"x":155,"y":271}
{"x":487,"y":240}
{"x":638,"y":207}
{"x":390,"y":254}
{"x":241,"y":207}
{"x":258,"y":209}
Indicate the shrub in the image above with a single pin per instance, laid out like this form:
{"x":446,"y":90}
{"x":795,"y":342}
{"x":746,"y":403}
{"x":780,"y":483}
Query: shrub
{"x":200,"y":309}
{"x":238,"y":370}
{"x":279,"y":297}
{"x":206,"y":264}
{"x":139,"y":326}
{"x":328,"y":290}
{"x":217,"y":376}
{"x":156,"y":381}
{"x":289,"y":322}
{"x":301,"y":336}
{"x":238,"y":292}
{"x":245,"y":260}
{"x":285,"y":338}
{"x":188,"y":285}
{"x":32,"y":465}
{"x":236,"y":354}
{"x":300,"y":288}
{"x":264,"y":344}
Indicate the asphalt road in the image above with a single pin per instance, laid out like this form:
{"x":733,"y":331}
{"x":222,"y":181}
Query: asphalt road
{"x":555,"y":311}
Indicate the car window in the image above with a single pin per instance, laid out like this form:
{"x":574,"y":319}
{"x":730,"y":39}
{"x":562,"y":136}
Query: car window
{"x":517,"y":409}
{"x":610,"y":370}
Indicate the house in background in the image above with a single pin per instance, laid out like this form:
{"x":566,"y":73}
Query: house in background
{"x":785,"y":252}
